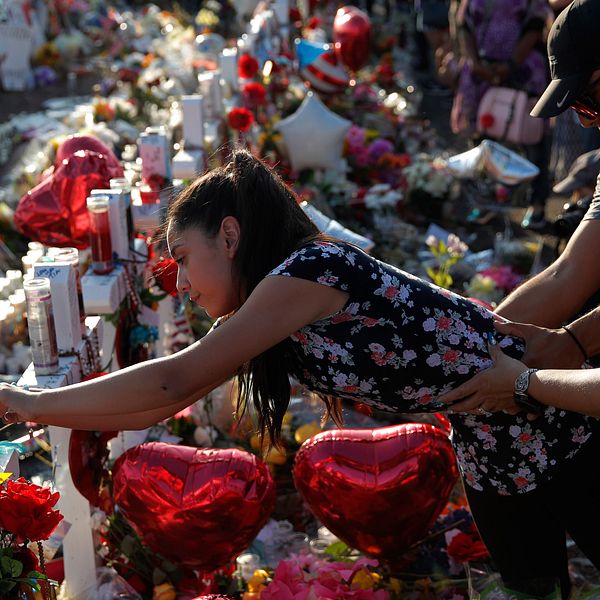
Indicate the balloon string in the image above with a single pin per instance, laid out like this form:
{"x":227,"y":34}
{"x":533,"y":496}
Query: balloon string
{"x":436,"y":534}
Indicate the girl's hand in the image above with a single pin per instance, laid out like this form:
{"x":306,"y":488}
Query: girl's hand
{"x":15,"y":404}
{"x":490,"y":390}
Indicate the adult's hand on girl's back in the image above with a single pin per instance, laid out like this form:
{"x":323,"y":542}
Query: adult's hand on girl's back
{"x":491,"y":390}
{"x":545,"y":348}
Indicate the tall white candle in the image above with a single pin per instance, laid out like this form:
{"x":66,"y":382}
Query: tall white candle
{"x":228,"y":63}
{"x":193,"y":121}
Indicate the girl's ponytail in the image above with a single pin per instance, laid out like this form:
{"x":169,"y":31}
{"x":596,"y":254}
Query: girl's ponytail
{"x":272,"y":226}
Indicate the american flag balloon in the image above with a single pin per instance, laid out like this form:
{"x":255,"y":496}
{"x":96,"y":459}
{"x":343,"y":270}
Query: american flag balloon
{"x":325,"y":75}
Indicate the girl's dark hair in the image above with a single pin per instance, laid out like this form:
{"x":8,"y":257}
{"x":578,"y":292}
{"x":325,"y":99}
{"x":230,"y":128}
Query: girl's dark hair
{"x":272,"y":226}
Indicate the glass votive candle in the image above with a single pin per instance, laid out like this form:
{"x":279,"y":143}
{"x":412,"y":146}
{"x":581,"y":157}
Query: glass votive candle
{"x":27,"y":261}
{"x":246,"y":565}
{"x":15,"y":278}
{"x":318,"y":547}
{"x":102,"y":260}
{"x":120,"y":183}
{"x":71,"y":256}
{"x":40,"y":323}
{"x":298,"y":543}
{"x":148,"y":195}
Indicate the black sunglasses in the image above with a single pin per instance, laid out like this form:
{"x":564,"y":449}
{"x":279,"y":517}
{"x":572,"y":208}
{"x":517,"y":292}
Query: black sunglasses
{"x":585,"y":105}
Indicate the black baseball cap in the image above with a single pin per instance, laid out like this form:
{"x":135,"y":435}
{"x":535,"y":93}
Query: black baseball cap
{"x":574,"y":53}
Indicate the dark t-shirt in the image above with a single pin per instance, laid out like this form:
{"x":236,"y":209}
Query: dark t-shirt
{"x":400,"y":341}
{"x":593,"y":211}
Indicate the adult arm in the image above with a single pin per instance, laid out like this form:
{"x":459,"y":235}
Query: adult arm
{"x":559,"y":4}
{"x":492,"y":390}
{"x":275,"y":309}
{"x":553,"y":296}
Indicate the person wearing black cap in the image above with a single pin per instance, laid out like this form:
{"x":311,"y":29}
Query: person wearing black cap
{"x":542,"y":311}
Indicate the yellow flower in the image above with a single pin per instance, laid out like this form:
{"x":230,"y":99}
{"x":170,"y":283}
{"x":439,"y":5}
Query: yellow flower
{"x":365,"y":580}
{"x":275,"y":457}
{"x":306,"y":431}
{"x":164,"y":591}
{"x":257,"y":582}
{"x":395,"y":585}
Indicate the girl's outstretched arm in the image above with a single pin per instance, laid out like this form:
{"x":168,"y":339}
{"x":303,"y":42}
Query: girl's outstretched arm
{"x":276,"y":308}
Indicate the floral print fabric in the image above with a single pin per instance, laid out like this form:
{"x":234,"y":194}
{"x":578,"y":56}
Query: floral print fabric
{"x":399,"y":342}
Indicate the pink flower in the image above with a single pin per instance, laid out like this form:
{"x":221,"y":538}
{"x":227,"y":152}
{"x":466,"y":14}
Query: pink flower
{"x":451,"y":356}
{"x":521,"y":481}
{"x":444,"y":323}
{"x":302,"y":577}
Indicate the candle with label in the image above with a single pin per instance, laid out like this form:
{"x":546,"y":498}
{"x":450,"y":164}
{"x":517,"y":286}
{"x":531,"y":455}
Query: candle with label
{"x":102,"y":260}
{"x":40,"y":322}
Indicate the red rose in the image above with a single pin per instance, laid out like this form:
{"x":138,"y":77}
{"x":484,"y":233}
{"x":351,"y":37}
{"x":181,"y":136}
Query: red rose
{"x":466,"y":547}
{"x":247,"y":66}
{"x":165,"y":275}
{"x":29,"y":560}
{"x":254,"y":94}
{"x":313,"y":23}
{"x":26,"y":510}
{"x":240,"y":118}
{"x":295,"y":15}
{"x":487,"y":120}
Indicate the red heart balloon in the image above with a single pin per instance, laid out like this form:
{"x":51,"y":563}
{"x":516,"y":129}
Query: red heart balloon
{"x":197,"y":507}
{"x":79,"y":141}
{"x":54,"y":212}
{"x":378,"y":490}
{"x":352,"y":36}
{"x":88,"y":458}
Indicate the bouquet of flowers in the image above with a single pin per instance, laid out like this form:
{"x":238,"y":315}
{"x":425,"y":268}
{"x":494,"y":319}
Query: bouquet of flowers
{"x":26,"y":515}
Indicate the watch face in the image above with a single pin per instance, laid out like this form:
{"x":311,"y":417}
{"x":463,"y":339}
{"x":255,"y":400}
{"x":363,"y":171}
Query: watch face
{"x":522,"y":382}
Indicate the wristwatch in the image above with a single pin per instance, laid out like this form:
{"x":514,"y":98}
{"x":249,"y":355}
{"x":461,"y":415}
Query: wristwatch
{"x":522,"y":398}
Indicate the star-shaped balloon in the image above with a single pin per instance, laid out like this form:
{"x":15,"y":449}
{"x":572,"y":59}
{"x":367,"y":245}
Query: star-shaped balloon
{"x":314,"y":135}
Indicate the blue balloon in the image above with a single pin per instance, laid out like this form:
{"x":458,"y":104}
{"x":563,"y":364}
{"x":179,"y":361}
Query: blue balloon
{"x":307,"y":52}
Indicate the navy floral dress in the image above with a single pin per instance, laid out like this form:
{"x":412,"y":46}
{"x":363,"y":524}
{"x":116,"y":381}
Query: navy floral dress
{"x":400,"y":341}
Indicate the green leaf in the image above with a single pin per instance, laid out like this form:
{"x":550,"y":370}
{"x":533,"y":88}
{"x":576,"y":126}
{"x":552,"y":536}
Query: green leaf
{"x":6,"y":585}
{"x":337,"y":550}
{"x":10,"y":566}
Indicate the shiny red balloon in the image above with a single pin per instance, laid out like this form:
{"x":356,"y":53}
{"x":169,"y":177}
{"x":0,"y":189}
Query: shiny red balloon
{"x":88,"y":464}
{"x":79,"y":141}
{"x":352,"y":36}
{"x":55,"y":211}
{"x":197,"y":507}
{"x":378,"y":490}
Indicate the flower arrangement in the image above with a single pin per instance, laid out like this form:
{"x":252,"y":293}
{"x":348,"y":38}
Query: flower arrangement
{"x":306,"y":576}
{"x":26,"y":515}
{"x":429,"y":175}
{"x":446,"y":254}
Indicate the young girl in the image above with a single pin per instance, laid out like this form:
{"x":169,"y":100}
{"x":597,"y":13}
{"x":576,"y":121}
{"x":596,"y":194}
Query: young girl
{"x":293,"y":302}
